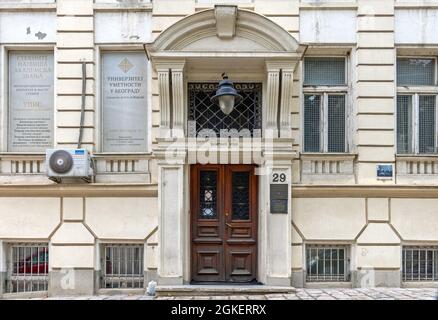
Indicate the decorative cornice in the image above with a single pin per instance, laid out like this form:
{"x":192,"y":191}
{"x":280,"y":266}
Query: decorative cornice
{"x":363,"y":191}
{"x":80,"y":190}
{"x":210,"y":23}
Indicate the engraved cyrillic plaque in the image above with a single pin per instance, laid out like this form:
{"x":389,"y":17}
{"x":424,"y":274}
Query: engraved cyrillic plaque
{"x":31,"y":101}
{"x":124,"y":100}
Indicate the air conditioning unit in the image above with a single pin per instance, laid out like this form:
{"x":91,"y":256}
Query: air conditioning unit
{"x":63,"y":163}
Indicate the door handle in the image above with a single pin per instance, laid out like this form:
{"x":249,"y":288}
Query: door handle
{"x":228,"y":225}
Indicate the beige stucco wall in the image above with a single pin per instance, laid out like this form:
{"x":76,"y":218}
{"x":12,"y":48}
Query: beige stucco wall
{"x":121,"y":218}
{"x":377,"y":225}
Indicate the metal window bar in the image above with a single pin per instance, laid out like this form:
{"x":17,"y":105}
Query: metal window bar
{"x":426,"y":124}
{"x":122,"y":266}
{"x":245,"y":118}
{"x":312,"y":123}
{"x":27,"y":268}
{"x":404,"y":124}
{"x":327,"y":264}
{"x":415,"y":72}
{"x":420,"y":264}
{"x":336,"y":123}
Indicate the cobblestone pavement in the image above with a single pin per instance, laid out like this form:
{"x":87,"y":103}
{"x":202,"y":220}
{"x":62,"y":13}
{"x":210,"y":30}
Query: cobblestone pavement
{"x":301,"y":294}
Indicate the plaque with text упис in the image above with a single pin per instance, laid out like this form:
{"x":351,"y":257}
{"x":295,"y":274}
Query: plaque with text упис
{"x":31,"y":101}
{"x":279,"y":198}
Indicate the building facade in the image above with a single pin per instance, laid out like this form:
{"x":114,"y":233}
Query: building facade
{"x":324,"y":174}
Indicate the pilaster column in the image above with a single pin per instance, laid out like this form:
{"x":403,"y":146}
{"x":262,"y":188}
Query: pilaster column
{"x":164,"y":91}
{"x":287,"y":78}
{"x":279,"y":98}
{"x":273,"y":87}
{"x":178,"y":100}
{"x":275,"y":258}
{"x":74,"y":46}
{"x":172,"y":219}
{"x":3,"y":267}
{"x":171,"y":90}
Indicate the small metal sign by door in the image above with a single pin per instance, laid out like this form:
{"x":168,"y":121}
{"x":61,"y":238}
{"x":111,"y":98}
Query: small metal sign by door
{"x":278,"y":192}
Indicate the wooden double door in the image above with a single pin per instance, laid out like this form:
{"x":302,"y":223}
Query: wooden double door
{"x":223,"y":223}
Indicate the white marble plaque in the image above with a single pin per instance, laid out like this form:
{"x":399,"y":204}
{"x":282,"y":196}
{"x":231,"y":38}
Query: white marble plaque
{"x":124,"y":99}
{"x":31,"y":101}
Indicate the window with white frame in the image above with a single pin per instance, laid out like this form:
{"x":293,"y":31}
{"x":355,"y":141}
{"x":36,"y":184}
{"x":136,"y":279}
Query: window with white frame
{"x":30,"y":101}
{"x":420,"y":263}
{"x":124,"y":102}
{"x":325,"y":104}
{"x":27,"y":267}
{"x":417,"y":106}
{"x":327,"y":263}
{"x":122,"y":266}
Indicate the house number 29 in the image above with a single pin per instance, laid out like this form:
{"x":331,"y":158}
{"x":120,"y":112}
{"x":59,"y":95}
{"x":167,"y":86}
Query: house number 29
{"x":276,"y":177}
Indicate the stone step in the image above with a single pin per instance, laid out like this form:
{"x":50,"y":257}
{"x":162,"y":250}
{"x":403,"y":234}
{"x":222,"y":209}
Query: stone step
{"x":220,"y":290}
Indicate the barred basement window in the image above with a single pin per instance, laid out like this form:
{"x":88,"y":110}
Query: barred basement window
{"x":327,"y":263}
{"x":122,"y":266}
{"x":417,"y":124}
{"x":420,"y":264}
{"x":27,"y":268}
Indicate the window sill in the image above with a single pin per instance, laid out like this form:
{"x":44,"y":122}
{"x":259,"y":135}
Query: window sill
{"x":417,"y":169}
{"x":328,"y":155}
{"x":117,"y":291}
{"x":416,"y":155}
{"x":327,"y":168}
{"x":327,"y":284}
{"x":419,"y":284}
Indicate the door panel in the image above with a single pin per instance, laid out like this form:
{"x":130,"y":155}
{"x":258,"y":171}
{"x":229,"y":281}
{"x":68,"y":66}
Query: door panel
{"x":224,"y":223}
{"x":241,"y":216}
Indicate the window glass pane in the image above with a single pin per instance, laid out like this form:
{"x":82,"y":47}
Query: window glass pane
{"x":327,"y":71}
{"x":124,"y":101}
{"x":426,"y":124}
{"x":336,"y":123}
{"x":312,"y":116}
{"x":31,"y":102}
{"x":240,"y":205}
{"x":208,"y":195}
{"x":415,"y":71}
{"x":404,"y":124}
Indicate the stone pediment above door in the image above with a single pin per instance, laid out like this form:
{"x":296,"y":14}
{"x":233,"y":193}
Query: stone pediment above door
{"x":225,"y":29}
{"x":231,"y":40}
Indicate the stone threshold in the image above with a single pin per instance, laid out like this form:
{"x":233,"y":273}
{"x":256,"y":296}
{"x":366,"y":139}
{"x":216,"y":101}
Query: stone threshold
{"x":220,"y":290}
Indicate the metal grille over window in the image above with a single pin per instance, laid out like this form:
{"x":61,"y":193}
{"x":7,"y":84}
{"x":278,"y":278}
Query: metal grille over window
{"x":404,"y":124}
{"x":204,"y":114}
{"x":28,"y":268}
{"x":328,"y":71}
{"x":327,"y":263}
{"x":420,"y":264}
{"x":336,"y":123}
{"x":208,"y":195}
{"x":240,"y":195}
{"x":415,"y":72}
{"x":426,"y":127}
{"x":123,"y":266}
{"x":312,"y":119}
